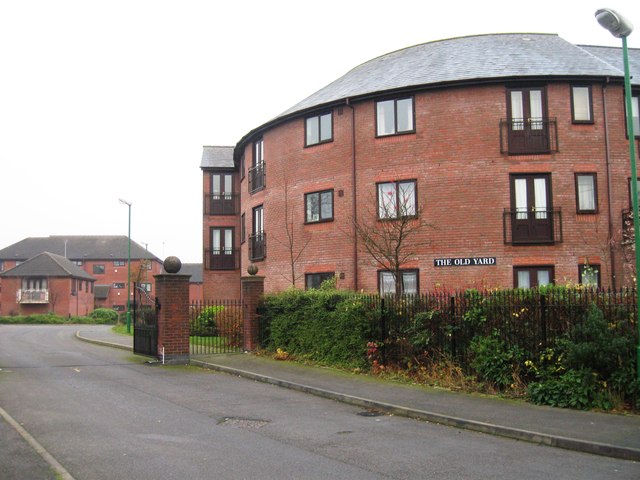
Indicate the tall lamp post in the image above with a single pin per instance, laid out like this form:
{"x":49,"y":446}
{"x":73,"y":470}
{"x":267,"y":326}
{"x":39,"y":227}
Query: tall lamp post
{"x":620,"y":27}
{"x":128,"y":204}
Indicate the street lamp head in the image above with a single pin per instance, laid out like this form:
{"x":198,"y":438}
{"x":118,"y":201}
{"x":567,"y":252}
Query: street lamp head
{"x":124,"y":202}
{"x":617,"y":25}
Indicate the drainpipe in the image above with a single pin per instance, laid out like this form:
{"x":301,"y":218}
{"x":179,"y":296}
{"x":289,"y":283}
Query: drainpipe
{"x":608,"y":170}
{"x":354,"y":196}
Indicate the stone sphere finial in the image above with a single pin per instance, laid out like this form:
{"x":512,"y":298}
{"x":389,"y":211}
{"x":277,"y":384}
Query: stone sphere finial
{"x":172,"y":264}
{"x":252,"y":269}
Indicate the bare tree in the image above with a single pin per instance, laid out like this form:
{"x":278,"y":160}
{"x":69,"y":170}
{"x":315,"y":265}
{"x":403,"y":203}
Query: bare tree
{"x":390,"y":235}
{"x":289,"y":239}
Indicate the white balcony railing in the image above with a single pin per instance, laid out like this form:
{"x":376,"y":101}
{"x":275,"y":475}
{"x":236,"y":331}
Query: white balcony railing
{"x":33,"y":296}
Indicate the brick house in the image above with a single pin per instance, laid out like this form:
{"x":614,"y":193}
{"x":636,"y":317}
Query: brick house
{"x":103,"y":257}
{"x":46,"y":283}
{"x":511,"y":148}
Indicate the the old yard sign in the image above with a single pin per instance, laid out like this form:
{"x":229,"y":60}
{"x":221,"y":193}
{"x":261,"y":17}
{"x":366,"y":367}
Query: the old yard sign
{"x":464,"y":261}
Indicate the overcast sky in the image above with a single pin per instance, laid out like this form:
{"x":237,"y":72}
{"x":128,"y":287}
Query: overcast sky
{"x":101,"y":100}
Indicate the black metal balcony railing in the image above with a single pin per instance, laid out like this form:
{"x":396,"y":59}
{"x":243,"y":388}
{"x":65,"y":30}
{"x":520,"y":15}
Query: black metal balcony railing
{"x":257,"y":246}
{"x":221,"y":204}
{"x":257,"y":177}
{"x":221,"y":259}
{"x":33,"y":296}
{"x":520,"y":136}
{"x":534,"y":226}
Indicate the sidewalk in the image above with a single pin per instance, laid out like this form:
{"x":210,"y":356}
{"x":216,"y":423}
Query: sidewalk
{"x":598,"y":433}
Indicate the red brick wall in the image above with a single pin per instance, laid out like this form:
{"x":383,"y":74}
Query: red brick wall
{"x":220,"y":284}
{"x":173,"y":316}
{"x":61,"y":301}
{"x":463,"y":184}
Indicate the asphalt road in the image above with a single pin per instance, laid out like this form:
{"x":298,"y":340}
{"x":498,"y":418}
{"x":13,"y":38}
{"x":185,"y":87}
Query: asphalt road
{"x":104,"y":414}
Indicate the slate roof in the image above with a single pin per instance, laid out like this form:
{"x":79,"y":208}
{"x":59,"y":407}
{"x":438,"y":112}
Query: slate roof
{"x":83,"y":247}
{"x":193,"y":269}
{"x":217,"y":157}
{"x":472,"y":59}
{"x":101,"y":292}
{"x":47,"y":264}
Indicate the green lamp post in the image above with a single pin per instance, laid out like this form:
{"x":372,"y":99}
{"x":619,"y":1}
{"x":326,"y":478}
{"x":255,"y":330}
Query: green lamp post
{"x":128,"y":204}
{"x":620,"y":27}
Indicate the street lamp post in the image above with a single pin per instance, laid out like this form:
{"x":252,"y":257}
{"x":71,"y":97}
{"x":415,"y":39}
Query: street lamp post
{"x":620,"y":27}
{"x":128,"y":204}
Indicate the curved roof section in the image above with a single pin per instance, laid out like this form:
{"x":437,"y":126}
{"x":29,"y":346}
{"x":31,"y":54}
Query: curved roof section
{"x":463,"y":59}
{"x":472,"y":59}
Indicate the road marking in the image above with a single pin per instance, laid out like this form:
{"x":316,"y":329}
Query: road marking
{"x":53,"y":463}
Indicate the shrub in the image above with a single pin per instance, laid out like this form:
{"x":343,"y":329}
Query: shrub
{"x":104,"y":315}
{"x":592,"y":366}
{"x":229,"y":324}
{"x":204,"y":325}
{"x":327,"y":326}
{"x":494,"y":361}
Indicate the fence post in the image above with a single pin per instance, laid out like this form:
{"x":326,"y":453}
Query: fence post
{"x":383,"y":331}
{"x":252,"y":290}
{"x":543,"y":318}
{"x":452,"y":305}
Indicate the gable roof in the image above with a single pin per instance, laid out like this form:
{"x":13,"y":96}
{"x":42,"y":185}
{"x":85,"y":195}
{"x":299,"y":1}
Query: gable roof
{"x":47,"y":265}
{"x":217,"y":157}
{"x":464,"y":60}
{"x":77,"y":247}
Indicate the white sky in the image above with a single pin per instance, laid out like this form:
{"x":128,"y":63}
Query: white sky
{"x":107,"y":99}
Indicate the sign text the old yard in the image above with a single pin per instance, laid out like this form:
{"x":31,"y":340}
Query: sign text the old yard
{"x":464,"y":261}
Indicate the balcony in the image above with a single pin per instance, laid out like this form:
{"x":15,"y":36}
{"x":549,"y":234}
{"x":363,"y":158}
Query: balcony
{"x":222,"y":259}
{"x":221,"y":204}
{"x":256,"y":177}
{"x":528,"y":136}
{"x":538,"y":226}
{"x":257,"y":246}
{"x":32,"y":296}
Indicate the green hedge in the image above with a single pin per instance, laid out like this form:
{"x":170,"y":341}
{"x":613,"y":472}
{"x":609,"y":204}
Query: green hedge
{"x":51,"y":319}
{"x":326,"y":326}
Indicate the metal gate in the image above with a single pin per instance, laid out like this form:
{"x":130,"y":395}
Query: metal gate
{"x":216,"y":327}
{"x":145,"y":322}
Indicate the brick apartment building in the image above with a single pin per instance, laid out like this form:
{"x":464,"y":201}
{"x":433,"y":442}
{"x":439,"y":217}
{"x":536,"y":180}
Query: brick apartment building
{"x":511,"y":150}
{"x":46,"y":283}
{"x":103,"y":258}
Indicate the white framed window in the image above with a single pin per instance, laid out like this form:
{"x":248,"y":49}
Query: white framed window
{"x":586,"y":193}
{"x":581,"y":108}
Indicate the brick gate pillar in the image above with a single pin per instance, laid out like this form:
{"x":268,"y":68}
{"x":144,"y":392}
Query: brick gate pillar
{"x":172,"y":291}
{"x":252,"y":292}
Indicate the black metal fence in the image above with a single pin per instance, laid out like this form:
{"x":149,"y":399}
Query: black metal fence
{"x":216,"y":327}
{"x":445,"y":323}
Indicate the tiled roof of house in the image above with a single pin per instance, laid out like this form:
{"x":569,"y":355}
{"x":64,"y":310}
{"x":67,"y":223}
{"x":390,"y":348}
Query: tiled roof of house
{"x":82,"y":247}
{"x":193,"y":269}
{"x":472,"y":59}
{"x":217,"y":157}
{"x":47,"y":264}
